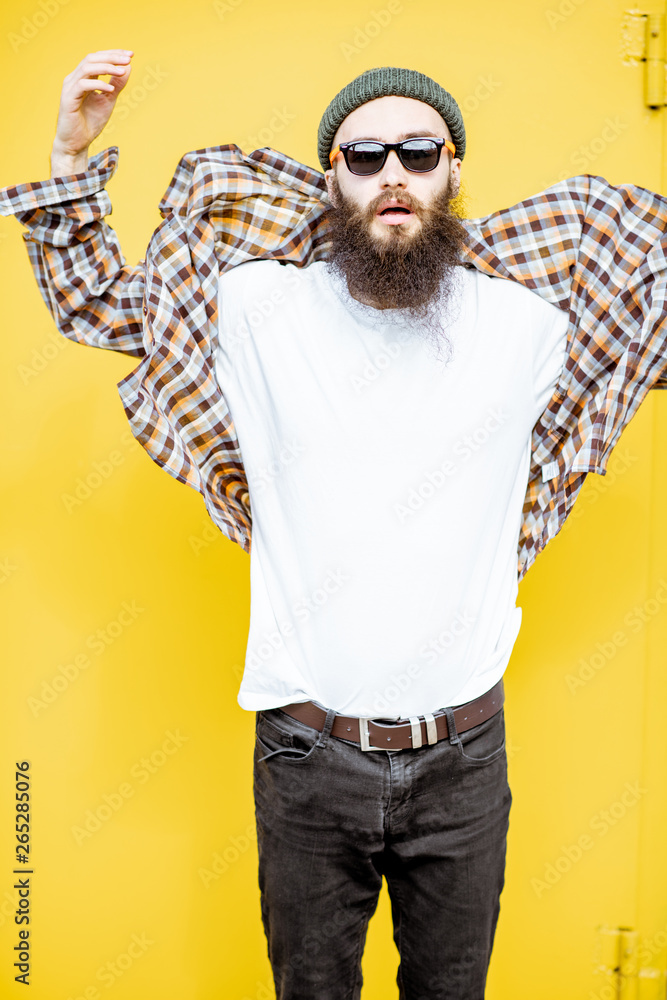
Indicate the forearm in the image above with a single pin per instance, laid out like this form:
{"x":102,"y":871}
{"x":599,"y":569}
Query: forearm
{"x":93,"y":296}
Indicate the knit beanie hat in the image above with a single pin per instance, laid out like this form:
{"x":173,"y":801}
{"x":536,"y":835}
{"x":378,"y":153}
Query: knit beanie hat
{"x":382,"y":82}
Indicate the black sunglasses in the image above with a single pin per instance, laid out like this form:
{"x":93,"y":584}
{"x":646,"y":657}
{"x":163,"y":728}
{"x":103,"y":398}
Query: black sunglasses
{"x":368,"y":156}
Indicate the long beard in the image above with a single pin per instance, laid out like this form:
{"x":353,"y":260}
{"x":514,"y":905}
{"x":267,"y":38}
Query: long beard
{"x":415,"y":273}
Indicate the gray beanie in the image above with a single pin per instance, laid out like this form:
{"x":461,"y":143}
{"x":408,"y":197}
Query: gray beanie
{"x":382,"y":82}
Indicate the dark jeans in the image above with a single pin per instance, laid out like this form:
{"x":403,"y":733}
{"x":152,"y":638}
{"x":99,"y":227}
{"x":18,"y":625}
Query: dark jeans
{"x":333,"y":819}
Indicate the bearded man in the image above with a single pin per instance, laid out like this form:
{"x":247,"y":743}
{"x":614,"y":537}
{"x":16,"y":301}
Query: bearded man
{"x":419,"y":614}
{"x":402,"y":419}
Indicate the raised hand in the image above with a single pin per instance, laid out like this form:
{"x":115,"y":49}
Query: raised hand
{"x":86,"y":104}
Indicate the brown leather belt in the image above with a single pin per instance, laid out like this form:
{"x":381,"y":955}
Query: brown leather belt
{"x":404,"y":733}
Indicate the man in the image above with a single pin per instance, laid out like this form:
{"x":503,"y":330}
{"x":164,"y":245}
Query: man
{"x":399,"y":424}
{"x":418,"y":605}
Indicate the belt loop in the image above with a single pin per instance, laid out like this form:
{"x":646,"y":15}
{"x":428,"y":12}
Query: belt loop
{"x":328,"y":724}
{"x":454,"y":737}
{"x":431,"y":729}
{"x":416,"y":731}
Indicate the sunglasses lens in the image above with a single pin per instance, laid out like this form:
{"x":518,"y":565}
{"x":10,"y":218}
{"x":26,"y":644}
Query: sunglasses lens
{"x":419,"y":154}
{"x":365,"y":157}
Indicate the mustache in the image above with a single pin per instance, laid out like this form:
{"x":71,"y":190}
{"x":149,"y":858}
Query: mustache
{"x":404,"y":197}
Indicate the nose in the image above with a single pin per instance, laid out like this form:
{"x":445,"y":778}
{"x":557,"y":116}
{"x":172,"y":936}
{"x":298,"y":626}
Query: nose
{"x":393,"y":172}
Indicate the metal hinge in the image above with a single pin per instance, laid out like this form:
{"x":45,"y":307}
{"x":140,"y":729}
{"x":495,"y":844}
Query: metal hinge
{"x":619,"y":958}
{"x":643,"y":41}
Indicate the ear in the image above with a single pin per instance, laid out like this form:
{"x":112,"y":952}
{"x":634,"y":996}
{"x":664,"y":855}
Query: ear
{"x":329,"y":177}
{"x":455,"y":174}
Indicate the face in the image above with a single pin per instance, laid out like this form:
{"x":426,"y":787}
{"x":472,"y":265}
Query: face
{"x":391,"y":119}
{"x":390,"y":258}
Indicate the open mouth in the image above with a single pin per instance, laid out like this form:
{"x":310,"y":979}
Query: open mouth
{"x":395,"y":214}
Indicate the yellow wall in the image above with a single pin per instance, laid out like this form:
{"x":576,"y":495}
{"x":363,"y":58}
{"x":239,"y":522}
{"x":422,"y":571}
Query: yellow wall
{"x":546,"y":95}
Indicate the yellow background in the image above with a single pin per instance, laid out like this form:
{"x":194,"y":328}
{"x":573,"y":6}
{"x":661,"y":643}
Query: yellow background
{"x":539,"y":82}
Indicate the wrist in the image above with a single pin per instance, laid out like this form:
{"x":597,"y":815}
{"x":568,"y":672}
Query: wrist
{"x":63,"y":163}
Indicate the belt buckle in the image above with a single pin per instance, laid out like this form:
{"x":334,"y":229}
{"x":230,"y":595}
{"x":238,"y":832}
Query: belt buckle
{"x":415,"y":727}
{"x":365,"y":740}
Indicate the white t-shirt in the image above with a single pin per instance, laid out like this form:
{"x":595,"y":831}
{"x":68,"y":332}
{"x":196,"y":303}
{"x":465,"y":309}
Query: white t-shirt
{"x":386,"y":485}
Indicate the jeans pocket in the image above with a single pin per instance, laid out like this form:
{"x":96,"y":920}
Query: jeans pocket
{"x":278,"y":735}
{"x":483,"y":743}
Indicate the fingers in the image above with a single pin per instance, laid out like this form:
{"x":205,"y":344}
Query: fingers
{"x":111,"y":61}
{"x":108,"y":69}
{"x":109,"y":55}
{"x":85,"y":85}
{"x":84,"y":79}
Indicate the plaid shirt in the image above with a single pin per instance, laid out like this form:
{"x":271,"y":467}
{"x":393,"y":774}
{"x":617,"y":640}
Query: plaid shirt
{"x":594,"y":250}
